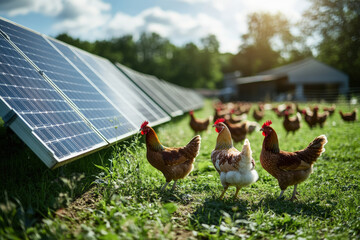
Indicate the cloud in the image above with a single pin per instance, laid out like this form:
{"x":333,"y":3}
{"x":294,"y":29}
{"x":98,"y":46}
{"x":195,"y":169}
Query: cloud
{"x":76,"y":17}
{"x":180,"y":28}
{"x":93,"y":19}
{"x":83,"y":18}
{"x":23,"y":7}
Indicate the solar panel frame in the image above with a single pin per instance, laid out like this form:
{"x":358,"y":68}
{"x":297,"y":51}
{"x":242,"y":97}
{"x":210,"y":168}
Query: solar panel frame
{"x":152,"y":89}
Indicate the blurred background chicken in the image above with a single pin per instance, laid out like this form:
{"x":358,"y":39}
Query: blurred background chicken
{"x":321,"y":117}
{"x":258,"y":114}
{"x":291,"y":124}
{"x":289,"y":168}
{"x":238,"y":131}
{"x":348,"y":117}
{"x":232,"y":118}
{"x":331,"y":109}
{"x":174,"y":163}
{"x":198,"y":125}
{"x":235,"y":168}
{"x":310,"y":118}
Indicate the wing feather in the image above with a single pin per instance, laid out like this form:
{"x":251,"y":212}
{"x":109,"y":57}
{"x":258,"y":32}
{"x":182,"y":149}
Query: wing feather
{"x":226,"y":160}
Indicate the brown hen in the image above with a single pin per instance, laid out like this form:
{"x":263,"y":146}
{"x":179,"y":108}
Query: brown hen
{"x":198,"y":125}
{"x":289,"y":168}
{"x":174,"y":163}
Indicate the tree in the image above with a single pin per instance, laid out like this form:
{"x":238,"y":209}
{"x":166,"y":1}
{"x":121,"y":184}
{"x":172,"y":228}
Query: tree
{"x":268,"y":43}
{"x":337,"y":23}
{"x":85,"y":45}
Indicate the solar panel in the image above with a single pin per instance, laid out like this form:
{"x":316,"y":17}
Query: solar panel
{"x":188,"y":96}
{"x":151,"y":87}
{"x":65,"y":103}
{"x":39,"y":114}
{"x":135,"y":99}
{"x":84,"y":96}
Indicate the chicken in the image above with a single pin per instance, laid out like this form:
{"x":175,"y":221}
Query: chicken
{"x":258,"y":114}
{"x":298,"y":109}
{"x":174,"y":163}
{"x":291,"y":124}
{"x":237,"y":118}
{"x":251,"y":126}
{"x":198,"y":125}
{"x":289,"y":168}
{"x":320,"y":118}
{"x":348,"y":117}
{"x":238,"y":131}
{"x":220,"y":113}
{"x":310,"y":119}
{"x":331,"y":109}
{"x":235,"y":168}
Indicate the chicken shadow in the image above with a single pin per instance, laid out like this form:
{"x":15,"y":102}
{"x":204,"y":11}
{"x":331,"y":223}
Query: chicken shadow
{"x":297,"y":207}
{"x":213,"y":210}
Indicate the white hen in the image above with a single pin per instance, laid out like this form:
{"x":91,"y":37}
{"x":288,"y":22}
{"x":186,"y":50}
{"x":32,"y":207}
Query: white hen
{"x":235,"y":168}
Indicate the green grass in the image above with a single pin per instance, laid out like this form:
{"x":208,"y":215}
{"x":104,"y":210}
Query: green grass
{"x":115,"y":194}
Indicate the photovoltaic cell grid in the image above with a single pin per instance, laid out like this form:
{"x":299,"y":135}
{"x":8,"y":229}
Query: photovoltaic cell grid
{"x":133,"y":101}
{"x":152,"y":88}
{"x":172,"y":98}
{"x":169,"y":95}
{"x":124,"y":105}
{"x":48,"y":116}
{"x":102,"y":115}
{"x":191,"y":99}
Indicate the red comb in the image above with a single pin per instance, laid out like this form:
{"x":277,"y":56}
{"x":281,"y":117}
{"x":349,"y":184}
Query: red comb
{"x":219,"y":120}
{"x":267,"y":123}
{"x":191,"y":112}
{"x":145,"y":123}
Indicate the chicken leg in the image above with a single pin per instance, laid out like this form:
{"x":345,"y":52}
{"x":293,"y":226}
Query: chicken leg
{"x":236,"y":193}
{"x":223,"y":193}
{"x":282,"y":192}
{"x":163,"y":187}
{"x":294,"y":194}
{"x":174,"y":185}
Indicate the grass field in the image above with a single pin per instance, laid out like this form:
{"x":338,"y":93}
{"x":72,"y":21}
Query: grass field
{"x":115,"y":194}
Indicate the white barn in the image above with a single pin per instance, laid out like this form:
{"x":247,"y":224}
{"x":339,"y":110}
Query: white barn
{"x":307,"y":79}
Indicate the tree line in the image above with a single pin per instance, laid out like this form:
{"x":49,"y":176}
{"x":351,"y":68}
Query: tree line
{"x":269,"y":42}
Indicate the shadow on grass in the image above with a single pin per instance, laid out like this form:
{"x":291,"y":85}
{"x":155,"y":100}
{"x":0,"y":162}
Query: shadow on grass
{"x":297,"y":207}
{"x":212,"y":210}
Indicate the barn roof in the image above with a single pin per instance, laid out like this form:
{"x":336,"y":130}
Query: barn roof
{"x":308,"y":71}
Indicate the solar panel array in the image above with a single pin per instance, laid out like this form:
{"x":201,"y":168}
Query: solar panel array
{"x":65,"y":103}
{"x":173,"y":99}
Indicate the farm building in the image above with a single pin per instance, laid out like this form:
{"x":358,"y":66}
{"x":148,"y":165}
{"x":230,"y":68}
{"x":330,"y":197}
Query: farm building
{"x":307,"y":79}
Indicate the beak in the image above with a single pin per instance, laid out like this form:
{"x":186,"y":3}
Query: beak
{"x":261,"y":129}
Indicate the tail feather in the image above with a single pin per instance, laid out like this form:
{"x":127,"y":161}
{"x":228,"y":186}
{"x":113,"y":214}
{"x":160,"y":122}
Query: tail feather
{"x":246,"y":148}
{"x":315,"y":149}
{"x":193,"y":147}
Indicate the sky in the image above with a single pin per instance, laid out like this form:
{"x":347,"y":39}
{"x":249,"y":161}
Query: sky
{"x":180,"y":21}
